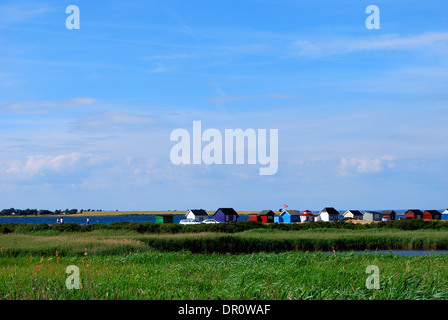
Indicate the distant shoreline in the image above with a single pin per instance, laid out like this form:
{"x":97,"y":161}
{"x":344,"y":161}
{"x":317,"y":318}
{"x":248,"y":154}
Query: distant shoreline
{"x":119,"y":213}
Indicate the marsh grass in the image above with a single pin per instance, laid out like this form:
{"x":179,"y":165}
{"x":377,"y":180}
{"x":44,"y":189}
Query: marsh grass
{"x":125,"y":264}
{"x":97,"y":242}
{"x":277,"y":241}
{"x":183,"y":275}
{"x":105,"y":241}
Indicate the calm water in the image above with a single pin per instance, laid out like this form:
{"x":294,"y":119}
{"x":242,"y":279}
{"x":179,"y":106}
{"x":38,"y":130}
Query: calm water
{"x":101,"y":220}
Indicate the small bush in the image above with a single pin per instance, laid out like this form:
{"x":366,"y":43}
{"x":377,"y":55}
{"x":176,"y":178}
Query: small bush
{"x":67,"y":227}
{"x":4,"y":229}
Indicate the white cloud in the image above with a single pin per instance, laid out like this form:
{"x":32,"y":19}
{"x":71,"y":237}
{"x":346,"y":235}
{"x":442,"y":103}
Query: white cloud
{"x":354,"y":166}
{"x":40,"y":165}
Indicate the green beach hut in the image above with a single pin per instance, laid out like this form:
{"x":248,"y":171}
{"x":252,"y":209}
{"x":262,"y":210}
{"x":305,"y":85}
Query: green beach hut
{"x":164,"y":218}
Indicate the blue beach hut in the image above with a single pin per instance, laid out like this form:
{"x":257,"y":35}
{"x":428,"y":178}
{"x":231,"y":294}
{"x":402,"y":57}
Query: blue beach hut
{"x":289,"y":216}
{"x":445,"y":215}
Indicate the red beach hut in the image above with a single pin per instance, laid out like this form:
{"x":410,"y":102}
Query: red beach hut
{"x":254,"y":217}
{"x":266,"y":216}
{"x":432,"y":215}
{"x":413,"y":214}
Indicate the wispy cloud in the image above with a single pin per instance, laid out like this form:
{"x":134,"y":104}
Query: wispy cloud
{"x":162,"y":68}
{"x":45,"y":106}
{"x":327,"y":47}
{"x":175,"y":56}
{"x":21,"y":11}
{"x":112,"y":121}
{"x":279,"y":95}
{"x":226,"y":98}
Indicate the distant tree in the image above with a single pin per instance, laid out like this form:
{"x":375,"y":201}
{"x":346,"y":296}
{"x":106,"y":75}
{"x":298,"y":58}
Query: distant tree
{"x":7,"y":212}
{"x":30,"y":211}
{"x":44,"y":212}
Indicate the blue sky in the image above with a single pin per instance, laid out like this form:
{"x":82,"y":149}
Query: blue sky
{"x":86,"y":115}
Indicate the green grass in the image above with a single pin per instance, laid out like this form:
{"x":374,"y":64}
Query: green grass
{"x":128,"y":265}
{"x":183,"y":275}
{"x":108,"y":241}
{"x":256,"y":240}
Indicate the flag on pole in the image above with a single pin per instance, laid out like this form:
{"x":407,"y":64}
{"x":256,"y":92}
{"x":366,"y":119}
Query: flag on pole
{"x":286,"y":206}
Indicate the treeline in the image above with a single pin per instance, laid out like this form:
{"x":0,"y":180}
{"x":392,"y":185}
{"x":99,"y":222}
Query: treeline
{"x":231,"y":227}
{"x":27,"y":212}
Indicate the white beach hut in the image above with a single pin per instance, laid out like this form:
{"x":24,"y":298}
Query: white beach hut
{"x":198,"y":214}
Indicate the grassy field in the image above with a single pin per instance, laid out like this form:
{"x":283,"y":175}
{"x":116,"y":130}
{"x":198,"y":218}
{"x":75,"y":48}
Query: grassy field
{"x":123,"y":264}
{"x":236,"y":238}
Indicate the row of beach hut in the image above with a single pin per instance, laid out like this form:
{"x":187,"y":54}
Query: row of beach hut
{"x":331,"y":214}
{"x":291,"y":216}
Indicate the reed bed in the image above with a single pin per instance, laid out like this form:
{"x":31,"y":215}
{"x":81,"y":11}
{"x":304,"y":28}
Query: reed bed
{"x":248,"y":242}
{"x":184,"y":275}
{"x":105,"y":242}
{"x":253,"y":263}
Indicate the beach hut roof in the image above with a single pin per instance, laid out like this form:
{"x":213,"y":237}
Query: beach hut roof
{"x":228,"y":211}
{"x":199,"y":212}
{"x":330,"y":210}
{"x":433,"y":212}
{"x":265,"y":212}
{"x":415,"y":211}
{"x":355,"y":212}
{"x":292,"y":212}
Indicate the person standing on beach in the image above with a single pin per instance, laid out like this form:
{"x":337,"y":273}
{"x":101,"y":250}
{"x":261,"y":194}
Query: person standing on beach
{"x":88,"y":221}
{"x":57,"y":221}
{"x":62,"y":220}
